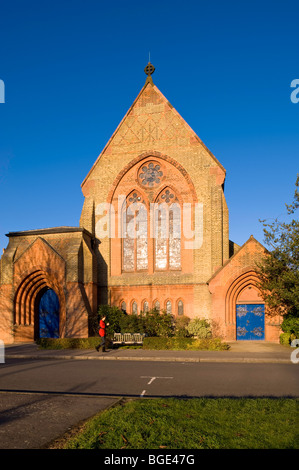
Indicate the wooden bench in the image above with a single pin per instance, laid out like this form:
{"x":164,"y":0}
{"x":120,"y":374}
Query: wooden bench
{"x":128,"y":338}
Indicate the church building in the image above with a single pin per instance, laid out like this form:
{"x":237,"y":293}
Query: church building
{"x":153,"y":233}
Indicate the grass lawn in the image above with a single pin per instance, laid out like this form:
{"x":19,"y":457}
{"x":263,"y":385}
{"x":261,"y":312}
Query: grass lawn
{"x":199,"y":423}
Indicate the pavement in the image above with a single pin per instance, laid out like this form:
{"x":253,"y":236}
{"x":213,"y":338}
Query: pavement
{"x":240,"y":351}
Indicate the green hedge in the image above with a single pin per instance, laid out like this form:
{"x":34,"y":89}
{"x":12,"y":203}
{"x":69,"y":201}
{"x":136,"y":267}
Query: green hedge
{"x":290,"y":325}
{"x":285,"y":339}
{"x":70,"y":343}
{"x":180,"y":344}
{"x":173,"y":343}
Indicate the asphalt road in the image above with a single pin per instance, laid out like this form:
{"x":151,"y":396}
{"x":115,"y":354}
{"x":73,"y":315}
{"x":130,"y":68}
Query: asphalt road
{"x":40,"y":400}
{"x":126,"y":378}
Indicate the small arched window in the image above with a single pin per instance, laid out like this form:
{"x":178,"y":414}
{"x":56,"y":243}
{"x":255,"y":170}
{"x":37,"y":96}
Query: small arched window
{"x":145,"y":306}
{"x":134,"y":308}
{"x":124,"y":307}
{"x":157,"y":306}
{"x":168,"y":307}
{"x":180,"y":308}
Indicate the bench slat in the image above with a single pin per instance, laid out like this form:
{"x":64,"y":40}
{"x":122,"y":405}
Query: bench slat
{"x":127,"y":338}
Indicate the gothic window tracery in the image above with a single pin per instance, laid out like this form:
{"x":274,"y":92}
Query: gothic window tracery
{"x":150,"y":174}
{"x":167,"y":231}
{"x":134,"y":233}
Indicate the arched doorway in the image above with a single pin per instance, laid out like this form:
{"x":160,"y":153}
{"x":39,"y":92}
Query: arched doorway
{"x":250,"y":315}
{"x":245,"y":308}
{"x":47,"y":311}
{"x":29,"y":303}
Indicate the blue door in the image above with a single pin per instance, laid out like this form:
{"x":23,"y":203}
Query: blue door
{"x":250,"y":321}
{"x":48,"y":311}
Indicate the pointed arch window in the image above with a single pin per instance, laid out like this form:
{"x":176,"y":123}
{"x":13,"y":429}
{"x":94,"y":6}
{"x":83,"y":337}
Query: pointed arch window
{"x":134,"y":233}
{"x":180,"y":307}
{"x":167,"y":231}
{"x":145,"y":306}
{"x":157,"y":305}
{"x":168,"y":307}
{"x":134,"y":308}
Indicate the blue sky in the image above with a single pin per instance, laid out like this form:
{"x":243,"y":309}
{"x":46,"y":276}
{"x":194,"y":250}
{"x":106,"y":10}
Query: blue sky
{"x":73,"y":68}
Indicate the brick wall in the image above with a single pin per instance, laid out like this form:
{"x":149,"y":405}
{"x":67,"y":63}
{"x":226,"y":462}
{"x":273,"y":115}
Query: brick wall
{"x":59,"y":259}
{"x":153,"y":129}
{"x":237,"y":282}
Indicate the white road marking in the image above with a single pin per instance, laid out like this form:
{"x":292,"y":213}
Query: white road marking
{"x":151,"y":381}
{"x":153,"y":378}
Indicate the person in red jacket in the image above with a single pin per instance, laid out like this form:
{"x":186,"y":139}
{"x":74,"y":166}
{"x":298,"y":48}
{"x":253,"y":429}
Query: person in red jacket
{"x":102,"y":333}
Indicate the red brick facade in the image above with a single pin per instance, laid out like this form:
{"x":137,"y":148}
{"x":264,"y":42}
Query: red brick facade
{"x":35,"y":261}
{"x":236,"y":283}
{"x":153,"y":158}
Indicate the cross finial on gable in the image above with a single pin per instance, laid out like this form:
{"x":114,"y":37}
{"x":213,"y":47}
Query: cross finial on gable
{"x":149,"y":70}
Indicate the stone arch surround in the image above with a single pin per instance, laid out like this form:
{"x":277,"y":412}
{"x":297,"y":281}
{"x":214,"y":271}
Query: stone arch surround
{"x":148,"y":155}
{"x":126,"y":182}
{"x":26,"y":296}
{"x":245,"y":280}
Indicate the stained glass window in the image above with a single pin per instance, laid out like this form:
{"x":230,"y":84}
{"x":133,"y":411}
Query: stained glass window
{"x":145,"y":306}
{"x":161,"y":237}
{"x":134,"y":308}
{"x":150,"y":174}
{"x":134,"y":233}
{"x":157,"y":306}
{"x":167,"y":231}
{"x":174,"y":236}
{"x":180,"y":308}
{"x":168,"y":307}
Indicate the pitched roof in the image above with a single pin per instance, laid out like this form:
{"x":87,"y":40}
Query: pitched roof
{"x":159,"y":96}
{"x":250,"y":239}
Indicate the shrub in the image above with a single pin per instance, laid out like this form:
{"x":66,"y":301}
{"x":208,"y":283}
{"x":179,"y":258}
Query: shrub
{"x":113,"y":317}
{"x":156,"y":343}
{"x":180,"y":326}
{"x":152,"y":323}
{"x":131,"y":324}
{"x":200,"y":328}
{"x":158,"y":324}
{"x":292,"y":337}
{"x":290,"y":324}
{"x":285,"y":339}
{"x":182,"y":333}
{"x":212,"y":344}
{"x":176,"y":343}
{"x":70,"y":343}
